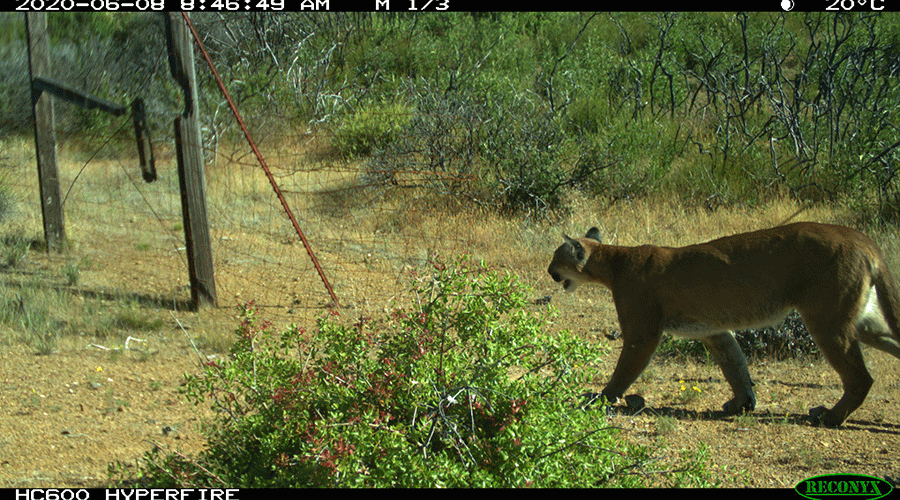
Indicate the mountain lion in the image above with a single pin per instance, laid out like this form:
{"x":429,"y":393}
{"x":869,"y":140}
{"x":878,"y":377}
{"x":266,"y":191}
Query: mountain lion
{"x":835,"y":277}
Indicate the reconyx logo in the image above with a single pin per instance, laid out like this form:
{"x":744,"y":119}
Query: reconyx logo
{"x":843,"y":485}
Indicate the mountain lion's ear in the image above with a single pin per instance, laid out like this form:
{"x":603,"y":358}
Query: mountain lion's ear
{"x":594,"y":234}
{"x":577,"y":248}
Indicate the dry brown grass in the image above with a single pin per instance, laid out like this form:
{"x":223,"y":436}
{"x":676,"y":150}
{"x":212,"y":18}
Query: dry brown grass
{"x":126,"y":236}
{"x":130,"y":273}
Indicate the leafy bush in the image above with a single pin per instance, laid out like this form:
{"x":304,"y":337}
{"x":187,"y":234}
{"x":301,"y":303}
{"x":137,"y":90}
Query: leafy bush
{"x":373,"y":126}
{"x":463,"y":388}
{"x":438,"y":146}
{"x":724,"y":106}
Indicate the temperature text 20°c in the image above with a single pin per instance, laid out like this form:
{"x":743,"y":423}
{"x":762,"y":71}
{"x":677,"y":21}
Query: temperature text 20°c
{"x":855,"y":4}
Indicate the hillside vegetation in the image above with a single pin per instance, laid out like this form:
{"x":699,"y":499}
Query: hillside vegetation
{"x":515,"y":110}
{"x":403,"y":141}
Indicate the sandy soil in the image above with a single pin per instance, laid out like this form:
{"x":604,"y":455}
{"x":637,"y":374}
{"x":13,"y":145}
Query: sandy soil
{"x":64,"y":417}
{"x":68,"y":415}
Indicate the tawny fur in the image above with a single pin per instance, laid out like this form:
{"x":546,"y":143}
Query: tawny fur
{"x":834,"y":276}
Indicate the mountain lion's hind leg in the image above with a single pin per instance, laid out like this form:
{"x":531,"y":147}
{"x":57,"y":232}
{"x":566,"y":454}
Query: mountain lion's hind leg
{"x":727,"y":353}
{"x":845,"y":356}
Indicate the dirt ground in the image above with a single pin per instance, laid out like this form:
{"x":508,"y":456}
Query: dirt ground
{"x":775,"y":446}
{"x":68,"y":415}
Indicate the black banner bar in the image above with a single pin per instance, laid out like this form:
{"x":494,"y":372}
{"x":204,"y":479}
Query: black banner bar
{"x":410,"y":6}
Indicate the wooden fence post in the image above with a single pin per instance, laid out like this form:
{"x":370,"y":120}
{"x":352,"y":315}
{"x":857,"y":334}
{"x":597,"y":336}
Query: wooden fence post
{"x":192,"y":178}
{"x":44,"y":135}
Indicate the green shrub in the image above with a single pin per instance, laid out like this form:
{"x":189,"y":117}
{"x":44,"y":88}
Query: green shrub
{"x":373,"y":126}
{"x":462,"y":388}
